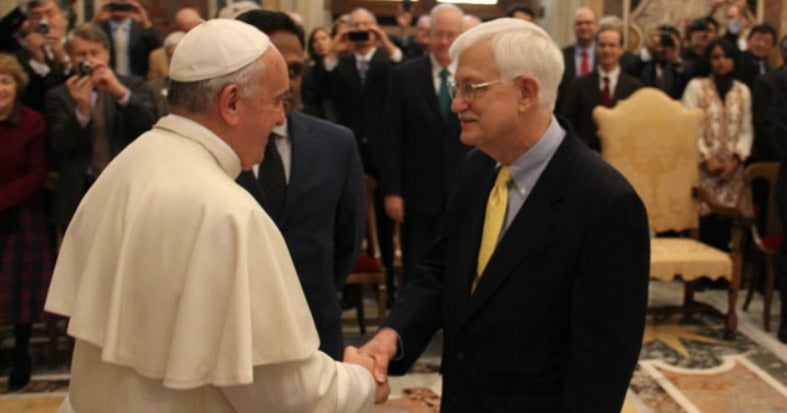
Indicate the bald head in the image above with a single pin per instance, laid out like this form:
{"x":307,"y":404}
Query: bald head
{"x":187,"y":18}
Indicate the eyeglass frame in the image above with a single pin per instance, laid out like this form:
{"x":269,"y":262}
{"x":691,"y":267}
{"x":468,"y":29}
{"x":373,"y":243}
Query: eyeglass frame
{"x":469,"y":90}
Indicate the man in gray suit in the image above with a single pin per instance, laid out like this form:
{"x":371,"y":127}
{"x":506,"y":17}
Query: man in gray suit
{"x":92,"y":117}
{"x":317,"y":202}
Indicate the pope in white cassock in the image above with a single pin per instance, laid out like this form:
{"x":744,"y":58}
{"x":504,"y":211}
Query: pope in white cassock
{"x":181,"y":292}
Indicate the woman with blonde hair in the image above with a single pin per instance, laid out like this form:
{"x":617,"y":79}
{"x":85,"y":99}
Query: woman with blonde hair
{"x":26,"y":255}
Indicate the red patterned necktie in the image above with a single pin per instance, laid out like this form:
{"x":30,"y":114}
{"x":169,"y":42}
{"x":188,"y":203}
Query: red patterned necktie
{"x":606,"y":98}
{"x":584,"y":68}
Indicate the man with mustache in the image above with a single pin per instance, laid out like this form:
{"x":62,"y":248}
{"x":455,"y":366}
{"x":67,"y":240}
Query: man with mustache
{"x":310,"y":182}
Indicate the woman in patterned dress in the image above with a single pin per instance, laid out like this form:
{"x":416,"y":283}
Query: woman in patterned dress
{"x":727,"y":138}
{"x":26,"y":256}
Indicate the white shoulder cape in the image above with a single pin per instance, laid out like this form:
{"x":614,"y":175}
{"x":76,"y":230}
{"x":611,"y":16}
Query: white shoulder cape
{"x":175,"y":271}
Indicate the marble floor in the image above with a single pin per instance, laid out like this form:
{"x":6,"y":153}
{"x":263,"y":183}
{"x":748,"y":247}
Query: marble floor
{"x":685,"y":366}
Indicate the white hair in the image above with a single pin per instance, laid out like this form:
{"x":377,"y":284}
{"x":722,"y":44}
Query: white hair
{"x":237,"y":8}
{"x":520,"y":48}
{"x":173,"y":38}
{"x":445,"y":6}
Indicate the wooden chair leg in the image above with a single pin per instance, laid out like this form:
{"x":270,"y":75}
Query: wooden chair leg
{"x":755,"y":275}
{"x":359,"y":308}
{"x":382,"y":302}
{"x":768,"y":295}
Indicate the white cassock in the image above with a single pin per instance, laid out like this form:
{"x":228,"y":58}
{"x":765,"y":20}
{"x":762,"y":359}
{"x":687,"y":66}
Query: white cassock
{"x":182,"y":294}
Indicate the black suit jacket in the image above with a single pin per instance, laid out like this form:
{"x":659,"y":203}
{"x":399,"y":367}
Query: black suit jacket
{"x":556,"y":322}
{"x":360,"y":107}
{"x":9,"y":24}
{"x":569,"y":73}
{"x":420,"y":151}
{"x":72,"y":146}
{"x":34,"y":95}
{"x":323,"y":218}
{"x":765,"y":138}
{"x":584,"y":95}
{"x":140,"y":42}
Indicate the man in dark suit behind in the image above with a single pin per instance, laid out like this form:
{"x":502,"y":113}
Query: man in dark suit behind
{"x":580,"y":57}
{"x":92,"y":117}
{"x":322,"y":211}
{"x":605,"y":85}
{"x":127,"y":21}
{"x":420,"y":148}
{"x":549,"y":319}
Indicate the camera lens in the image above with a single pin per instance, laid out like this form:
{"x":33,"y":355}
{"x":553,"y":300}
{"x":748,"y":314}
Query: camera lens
{"x":85,"y":68}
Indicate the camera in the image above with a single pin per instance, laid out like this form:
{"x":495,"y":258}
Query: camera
{"x":85,"y":68}
{"x":666,"y":40}
{"x":358,"y":36}
{"x":407,"y":5}
{"x":42,"y":27}
{"x":122,"y":6}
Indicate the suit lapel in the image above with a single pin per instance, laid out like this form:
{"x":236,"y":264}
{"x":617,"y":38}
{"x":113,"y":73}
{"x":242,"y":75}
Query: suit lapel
{"x":302,"y":161}
{"x":473,"y":223}
{"x":534,"y":220}
{"x":426,"y":85}
{"x":593,"y":87}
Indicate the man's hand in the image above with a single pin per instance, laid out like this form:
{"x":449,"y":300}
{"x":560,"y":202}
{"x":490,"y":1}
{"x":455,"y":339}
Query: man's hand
{"x":382,"y":39}
{"x":80,"y":87}
{"x":394,"y":207}
{"x":103,"y":78}
{"x":103,"y":14}
{"x":139,"y":14}
{"x":340,"y":44}
{"x":34,"y":43}
{"x":352,"y":356}
{"x":382,"y":347}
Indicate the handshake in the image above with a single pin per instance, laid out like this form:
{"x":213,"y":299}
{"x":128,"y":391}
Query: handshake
{"x":375,"y":356}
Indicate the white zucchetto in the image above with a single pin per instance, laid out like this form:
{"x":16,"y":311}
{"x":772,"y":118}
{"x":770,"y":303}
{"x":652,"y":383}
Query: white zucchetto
{"x":216,"y":48}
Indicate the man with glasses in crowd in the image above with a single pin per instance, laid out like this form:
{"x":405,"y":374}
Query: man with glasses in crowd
{"x":308,"y":160}
{"x":539,"y":272}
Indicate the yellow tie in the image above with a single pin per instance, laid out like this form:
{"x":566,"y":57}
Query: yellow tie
{"x":493,"y":220}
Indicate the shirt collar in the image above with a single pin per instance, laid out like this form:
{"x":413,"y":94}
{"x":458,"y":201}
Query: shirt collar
{"x":367,"y":56}
{"x":125,"y":25}
{"x":437,"y":67}
{"x":281,"y":130}
{"x":523,"y":168}
{"x":221,"y":151}
{"x":613,"y":74}
{"x":590,"y":49}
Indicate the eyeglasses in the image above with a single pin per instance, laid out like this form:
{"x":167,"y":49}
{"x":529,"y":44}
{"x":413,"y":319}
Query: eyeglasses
{"x":468,"y":90}
{"x":294,"y":70}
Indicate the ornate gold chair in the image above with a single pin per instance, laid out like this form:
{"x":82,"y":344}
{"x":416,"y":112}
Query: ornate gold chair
{"x":369,"y":269}
{"x":652,"y":140}
{"x":767,"y":237}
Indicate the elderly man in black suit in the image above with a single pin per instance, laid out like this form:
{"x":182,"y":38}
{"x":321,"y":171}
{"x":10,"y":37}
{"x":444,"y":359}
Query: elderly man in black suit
{"x":419,"y":147}
{"x":311,"y":183}
{"x":605,"y":85}
{"x":92,"y":117}
{"x":539,"y":273}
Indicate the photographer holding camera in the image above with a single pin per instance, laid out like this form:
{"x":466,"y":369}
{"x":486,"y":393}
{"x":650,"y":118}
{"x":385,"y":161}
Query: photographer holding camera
{"x":662,"y":67}
{"x":92,"y":117}
{"x":44,"y":55}
{"x":131,"y":35}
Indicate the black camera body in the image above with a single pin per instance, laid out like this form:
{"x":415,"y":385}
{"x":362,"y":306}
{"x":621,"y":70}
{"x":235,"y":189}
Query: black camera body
{"x":121,"y":6}
{"x":42,"y":27}
{"x":358,"y":36}
{"x":85,"y":68}
{"x":666,"y":40}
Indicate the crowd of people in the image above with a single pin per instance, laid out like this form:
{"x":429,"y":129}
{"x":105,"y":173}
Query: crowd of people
{"x":161,"y":249}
